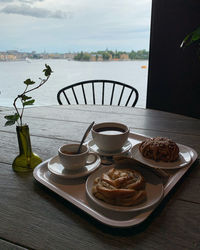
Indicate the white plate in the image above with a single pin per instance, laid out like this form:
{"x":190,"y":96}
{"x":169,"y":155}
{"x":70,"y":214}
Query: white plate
{"x":154,"y":189}
{"x":96,"y":149}
{"x":184,"y":159}
{"x":57,"y":168}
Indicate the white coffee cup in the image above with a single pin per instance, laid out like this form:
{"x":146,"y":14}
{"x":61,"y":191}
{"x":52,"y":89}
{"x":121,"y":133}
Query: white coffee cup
{"x":110,"y":136}
{"x":73,"y":161}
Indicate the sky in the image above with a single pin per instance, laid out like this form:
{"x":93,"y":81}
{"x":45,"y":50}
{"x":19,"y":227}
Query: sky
{"x":74,"y":25}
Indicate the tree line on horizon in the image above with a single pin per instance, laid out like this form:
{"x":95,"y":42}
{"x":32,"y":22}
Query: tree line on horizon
{"x":112,"y":55}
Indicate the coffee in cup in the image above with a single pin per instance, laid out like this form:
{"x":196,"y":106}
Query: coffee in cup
{"x":71,"y":160}
{"x":110,"y":136}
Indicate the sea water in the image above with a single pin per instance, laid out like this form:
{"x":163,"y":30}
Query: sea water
{"x":13,"y":74}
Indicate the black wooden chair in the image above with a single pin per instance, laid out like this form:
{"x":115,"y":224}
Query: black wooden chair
{"x":104,"y":92}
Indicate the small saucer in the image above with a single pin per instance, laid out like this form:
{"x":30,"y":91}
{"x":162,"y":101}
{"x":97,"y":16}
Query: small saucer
{"x":93,"y":147}
{"x":55,"y":167}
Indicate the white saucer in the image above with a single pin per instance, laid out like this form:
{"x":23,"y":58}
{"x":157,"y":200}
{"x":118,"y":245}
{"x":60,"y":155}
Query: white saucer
{"x":96,"y":149}
{"x":57,"y":168}
{"x":154,"y":189}
{"x":183,"y":161}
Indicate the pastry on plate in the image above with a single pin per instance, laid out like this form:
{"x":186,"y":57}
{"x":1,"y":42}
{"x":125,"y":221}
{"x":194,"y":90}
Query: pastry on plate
{"x":159,"y":149}
{"x":122,"y":187}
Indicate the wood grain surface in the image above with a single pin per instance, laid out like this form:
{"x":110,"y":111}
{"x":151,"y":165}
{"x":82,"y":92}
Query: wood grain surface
{"x":33,"y":217}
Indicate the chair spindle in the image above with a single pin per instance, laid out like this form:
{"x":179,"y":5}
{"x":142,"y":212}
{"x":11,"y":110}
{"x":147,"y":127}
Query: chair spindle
{"x":129,"y":97}
{"x":75,"y":95}
{"x":93,"y":92}
{"x":84,"y":96}
{"x":120,"y":98}
{"x":112,"y":94}
{"x":103,"y":90}
{"x":66,"y":98}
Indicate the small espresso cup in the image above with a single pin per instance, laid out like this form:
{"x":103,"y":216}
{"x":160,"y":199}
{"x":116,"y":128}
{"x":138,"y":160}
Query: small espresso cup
{"x":110,"y":136}
{"x":71,"y":160}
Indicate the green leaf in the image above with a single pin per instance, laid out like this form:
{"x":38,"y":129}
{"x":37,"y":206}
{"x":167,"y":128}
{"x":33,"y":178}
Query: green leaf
{"x":25,"y":97}
{"x":29,"y":82}
{"x":14,"y":117}
{"x":28,"y":102}
{"x":191,"y":38}
{"x":11,"y":119}
{"x":9,"y":123}
{"x":196,"y":35}
{"x":48,"y":70}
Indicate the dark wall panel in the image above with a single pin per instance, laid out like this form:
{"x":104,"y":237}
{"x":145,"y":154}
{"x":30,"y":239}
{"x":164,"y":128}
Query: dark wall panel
{"x":174,"y":73}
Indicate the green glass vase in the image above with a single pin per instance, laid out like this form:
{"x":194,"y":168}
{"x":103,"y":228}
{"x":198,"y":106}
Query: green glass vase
{"x":26,"y":161}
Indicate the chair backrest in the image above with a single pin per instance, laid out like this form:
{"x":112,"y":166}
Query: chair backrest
{"x":104,"y":92}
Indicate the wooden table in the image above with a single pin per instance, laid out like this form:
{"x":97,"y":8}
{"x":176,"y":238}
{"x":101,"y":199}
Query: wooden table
{"x":33,"y":217}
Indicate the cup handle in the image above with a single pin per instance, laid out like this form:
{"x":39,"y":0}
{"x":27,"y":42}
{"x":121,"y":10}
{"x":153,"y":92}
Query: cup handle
{"x":93,"y":158}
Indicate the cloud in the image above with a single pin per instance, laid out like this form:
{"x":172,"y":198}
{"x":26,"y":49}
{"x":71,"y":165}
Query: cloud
{"x":6,"y":1}
{"x":23,"y":1}
{"x":75,"y":25}
{"x":27,"y":10}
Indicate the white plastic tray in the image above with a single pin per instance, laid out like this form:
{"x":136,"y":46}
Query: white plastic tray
{"x":73,"y":190}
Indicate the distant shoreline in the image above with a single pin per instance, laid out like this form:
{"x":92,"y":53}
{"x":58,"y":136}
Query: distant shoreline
{"x":107,"y":55}
{"x":65,"y":59}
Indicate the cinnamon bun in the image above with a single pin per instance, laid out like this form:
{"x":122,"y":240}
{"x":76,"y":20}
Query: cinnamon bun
{"x":122,"y":187}
{"x":159,"y":149}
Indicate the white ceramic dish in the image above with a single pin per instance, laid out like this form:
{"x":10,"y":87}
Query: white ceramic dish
{"x":154,"y":190}
{"x":73,"y":190}
{"x":183,"y":161}
{"x":93,"y":147}
{"x":57,"y":168}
